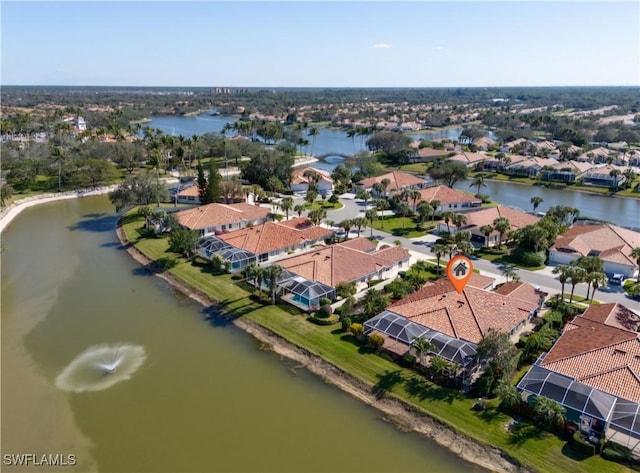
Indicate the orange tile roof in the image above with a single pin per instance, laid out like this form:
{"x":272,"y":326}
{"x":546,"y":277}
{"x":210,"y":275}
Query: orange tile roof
{"x":271,"y":236}
{"x":215,"y":215}
{"x":191,"y":191}
{"x":601,"y":349}
{"x":446,"y":195}
{"x":360,"y":244}
{"x":398,"y":180}
{"x":487,"y":215}
{"x":338,"y":263}
{"x":298,"y":178}
{"x":468,"y":316}
{"x":469,"y":158}
{"x":519,"y":290}
{"x":614,"y":243}
{"x":432,"y":153}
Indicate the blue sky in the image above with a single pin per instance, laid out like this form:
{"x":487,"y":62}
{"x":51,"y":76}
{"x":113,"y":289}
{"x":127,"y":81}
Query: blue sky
{"x":321,"y":44}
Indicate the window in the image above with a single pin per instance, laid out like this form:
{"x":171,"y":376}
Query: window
{"x":263,"y":257}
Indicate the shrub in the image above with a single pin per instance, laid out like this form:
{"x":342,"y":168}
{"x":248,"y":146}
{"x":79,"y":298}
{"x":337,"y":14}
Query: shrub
{"x":529,"y":258}
{"x":582,"y":446}
{"x":334,"y":199}
{"x":408,"y":359}
{"x":325,"y":301}
{"x":376,"y":341}
{"x":356,"y":329}
{"x":346,"y":324}
{"x":373,"y":282}
{"x":332,"y":319}
{"x":324,"y":312}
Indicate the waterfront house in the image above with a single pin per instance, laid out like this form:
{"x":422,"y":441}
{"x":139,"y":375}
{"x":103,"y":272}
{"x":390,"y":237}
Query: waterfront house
{"x":273,"y":239}
{"x":483,"y":143}
{"x":456,"y":322}
{"x":450,"y":199}
{"x":398,"y":180}
{"x":593,"y":371}
{"x":610,"y":243}
{"x":530,"y":167}
{"x":601,"y":176}
{"x":425,"y":154}
{"x":566,"y":171}
{"x":355,"y":260}
{"x":217,"y":218}
{"x":300,"y":183}
{"x":486,"y":216}
{"x":469,"y":159}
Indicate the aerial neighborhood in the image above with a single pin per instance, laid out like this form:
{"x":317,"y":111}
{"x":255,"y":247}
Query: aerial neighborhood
{"x":351,"y":257}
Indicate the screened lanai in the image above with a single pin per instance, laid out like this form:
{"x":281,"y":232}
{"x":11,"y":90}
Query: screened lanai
{"x":617,"y":415}
{"x":236,"y":258}
{"x":303,"y":292}
{"x":402,"y":329}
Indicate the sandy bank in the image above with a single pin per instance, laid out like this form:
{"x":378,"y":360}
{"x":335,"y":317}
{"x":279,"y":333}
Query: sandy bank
{"x":402,"y":414}
{"x":12,"y":211}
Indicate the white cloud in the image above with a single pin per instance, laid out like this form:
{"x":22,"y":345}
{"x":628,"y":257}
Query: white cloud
{"x":381,"y":46}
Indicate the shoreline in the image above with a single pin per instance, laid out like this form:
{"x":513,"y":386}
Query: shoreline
{"x":12,"y":211}
{"x":403,"y":415}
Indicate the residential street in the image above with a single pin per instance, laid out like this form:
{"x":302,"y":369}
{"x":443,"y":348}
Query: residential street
{"x":544,"y":279}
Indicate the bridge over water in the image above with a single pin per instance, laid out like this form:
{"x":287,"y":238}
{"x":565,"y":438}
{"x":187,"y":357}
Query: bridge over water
{"x":323,"y":156}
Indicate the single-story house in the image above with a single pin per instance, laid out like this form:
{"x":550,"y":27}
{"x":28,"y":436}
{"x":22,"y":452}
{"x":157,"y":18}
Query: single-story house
{"x":483,"y":143}
{"x":398,"y":180}
{"x":355,"y":260}
{"x":494,"y":164}
{"x":273,"y":239}
{"x":486,"y":216}
{"x":189,"y":195}
{"x":216,"y":218}
{"x":530,"y":167}
{"x":450,"y":199}
{"x":469,"y":159}
{"x":593,"y":371}
{"x":425,"y":154}
{"x":300,"y":183}
{"x":601,"y":176}
{"x":566,"y":171}
{"x":456,"y":322}
{"x":610,"y":243}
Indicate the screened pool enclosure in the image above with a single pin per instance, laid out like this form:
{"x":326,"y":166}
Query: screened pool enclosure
{"x":404,"y":330}
{"x":604,"y":413}
{"x":236,"y":258}
{"x":302,"y":292}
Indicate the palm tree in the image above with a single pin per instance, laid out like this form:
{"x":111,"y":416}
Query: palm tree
{"x":352,"y":134}
{"x":478,"y":182}
{"x":313,"y":133}
{"x":414,"y":195}
{"x":313,"y":177}
{"x":424,"y":210}
{"x":259,"y":276}
{"x":286,"y":204}
{"x":509,"y":395}
{"x":359,"y":222}
{"x":459,"y":220}
{"x":299,"y":209}
{"x":577,"y":275}
{"x":317,"y":215}
{"x":403,"y":210}
{"x":439,"y":250}
{"x":597,"y":280}
{"x":550,"y":412}
{"x":435,"y":204}
{"x":447,"y":217}
{"x":371,"y":215}
{"x":635,"y":253}
{"x":346,"y":225}
{"x":509,"y":272}
{"x":377,"y":187}
{"x":564,"y":273}
{"x":251,"y":273}
{"x":464,"y":247}
{"x":273,"y":272}
{"x":535,"y":201}
{"x":486,"y":231}
{"x":615,"y":173}
{"x":502,"y":226}
{"x":422,"y":347}
{"x":629,"y":175}
{"x":365,"y":196}
{"x":382,"y":205}
{"x":59,"y":156}
{"x":385,"y":184}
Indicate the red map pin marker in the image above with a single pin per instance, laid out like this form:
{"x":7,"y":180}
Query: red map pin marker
{"x":459,"y":271}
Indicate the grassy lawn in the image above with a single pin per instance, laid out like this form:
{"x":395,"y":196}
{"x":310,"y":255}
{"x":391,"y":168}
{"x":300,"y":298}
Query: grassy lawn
{"x":323,"y":204}
{"x":503,"y":257}
{"x":536,"y":449}
{"x":402,"y":226}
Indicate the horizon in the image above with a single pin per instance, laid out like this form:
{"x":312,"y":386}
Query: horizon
{"x":356,"y":45}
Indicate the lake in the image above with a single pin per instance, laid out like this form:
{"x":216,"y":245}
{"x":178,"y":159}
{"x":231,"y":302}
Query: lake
{"x":206,"y":399}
